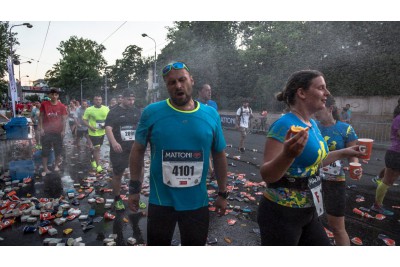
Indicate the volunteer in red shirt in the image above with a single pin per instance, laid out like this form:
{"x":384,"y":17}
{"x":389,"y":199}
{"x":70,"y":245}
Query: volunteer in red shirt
{"x":53,"y":115}
{"x":19,"y":107}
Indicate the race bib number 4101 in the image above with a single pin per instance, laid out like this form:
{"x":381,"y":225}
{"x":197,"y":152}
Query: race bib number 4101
{"x":182,"y":168}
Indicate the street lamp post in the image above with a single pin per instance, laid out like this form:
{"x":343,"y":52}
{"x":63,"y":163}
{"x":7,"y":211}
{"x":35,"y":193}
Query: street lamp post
{"x":19,"y":85}
{"x":81,"y":88}
{"x":21,"y":95}
{"x":23,"y":24}
{"x":128,"y":84}
{"x":155,"y":60}
{"x":105,"y":84}
{"x":19,"y":69}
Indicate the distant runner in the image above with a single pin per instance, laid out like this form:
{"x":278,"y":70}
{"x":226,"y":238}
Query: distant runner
{"x":94,"y":118}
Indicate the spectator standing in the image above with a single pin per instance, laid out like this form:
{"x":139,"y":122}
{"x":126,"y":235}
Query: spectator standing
{"x":29,"y":106}
{"x":113,"y":103}
{"x":81,"y":128}
{"x":264,"y":114}
{"x":52,"y":119}
{"x":35,"y":113}
{"x":205,"y":96}
{"x":344,"y":115}
{"x":349,"y":112}
{"x":243,"y":116}
{"x":3,"y":114}
{"x":71,"y":117}
{"x":19,"y":107}
{"x":119,"y":99}
{"x":182,"y":134}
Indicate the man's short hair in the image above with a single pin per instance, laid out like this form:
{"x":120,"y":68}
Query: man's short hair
{"x":53,"y":90}
{"x":128,"y":93}
{"x":201,"y":88}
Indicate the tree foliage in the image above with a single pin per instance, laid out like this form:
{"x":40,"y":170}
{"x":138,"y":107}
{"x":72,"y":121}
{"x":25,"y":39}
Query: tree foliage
{"x":81,"y":60}
{"x":208,"y":48}
{"x":132,"y":68}
{"x":4,"y":52}
{"x":248,"y":59}
{"x":4,"y":47}
{"x":253,"y":59}
{"x":357,"y":58}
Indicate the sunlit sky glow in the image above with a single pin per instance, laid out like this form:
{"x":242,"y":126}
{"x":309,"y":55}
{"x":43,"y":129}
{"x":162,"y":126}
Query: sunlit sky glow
{"x":42,"y":51}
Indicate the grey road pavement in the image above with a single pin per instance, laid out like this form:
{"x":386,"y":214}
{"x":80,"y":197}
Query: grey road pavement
{"x":237,"y":228}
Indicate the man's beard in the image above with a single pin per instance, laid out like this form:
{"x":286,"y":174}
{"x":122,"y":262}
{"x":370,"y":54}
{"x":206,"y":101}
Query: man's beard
{"x":180,"y":102}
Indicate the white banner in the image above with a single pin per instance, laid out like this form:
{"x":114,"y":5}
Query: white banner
{"x":12,"y":85}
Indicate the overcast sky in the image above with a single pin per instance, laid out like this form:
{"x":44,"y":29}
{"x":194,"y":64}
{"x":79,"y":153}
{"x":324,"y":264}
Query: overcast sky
{"x":39,"y":43}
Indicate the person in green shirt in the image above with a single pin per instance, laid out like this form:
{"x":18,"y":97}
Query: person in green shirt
{"x":94,"y":118}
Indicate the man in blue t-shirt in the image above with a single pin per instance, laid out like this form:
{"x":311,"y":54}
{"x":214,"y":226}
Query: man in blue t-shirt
{"x":205,"y":96}
{"x":182,"y":134}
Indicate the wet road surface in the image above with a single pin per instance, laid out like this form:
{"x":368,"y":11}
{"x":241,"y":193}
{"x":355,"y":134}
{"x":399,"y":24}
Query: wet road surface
{"x":237,"y":228}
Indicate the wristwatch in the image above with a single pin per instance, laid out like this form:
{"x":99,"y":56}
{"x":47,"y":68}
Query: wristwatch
{"x":224,"y":194}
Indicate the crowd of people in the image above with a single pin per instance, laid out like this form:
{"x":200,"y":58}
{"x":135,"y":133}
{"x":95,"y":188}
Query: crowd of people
{"x":303,"y":166}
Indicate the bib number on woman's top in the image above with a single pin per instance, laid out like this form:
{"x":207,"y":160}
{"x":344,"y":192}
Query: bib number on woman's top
{"x":127,"y":133}
{"x":333,"y":168}
{"x":314,"y":183}
{"x":182,"y":168}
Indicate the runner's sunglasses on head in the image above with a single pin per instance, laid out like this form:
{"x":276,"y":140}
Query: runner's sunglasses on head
{"x":175,"y":66}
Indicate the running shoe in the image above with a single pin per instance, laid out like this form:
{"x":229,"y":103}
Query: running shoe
{"x":99,"y":168}
{"x":44,"y":173}
{"x":381,"y":210}
{"x":212,"y":175}
{"x":57,"y":168}
{"x":109,"y":216}
{"x":376,"y":180}
{"x":119,"y":205}
{"x":94,"y":164}
{"x":142,"y":205}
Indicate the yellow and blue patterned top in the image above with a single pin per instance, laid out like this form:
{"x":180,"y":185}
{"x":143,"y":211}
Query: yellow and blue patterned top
{"x":336,"y":136}
{"x":305,"y":165}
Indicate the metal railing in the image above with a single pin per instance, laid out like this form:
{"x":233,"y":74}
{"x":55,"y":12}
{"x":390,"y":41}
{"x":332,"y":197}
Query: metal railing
{"x":379,"y":131}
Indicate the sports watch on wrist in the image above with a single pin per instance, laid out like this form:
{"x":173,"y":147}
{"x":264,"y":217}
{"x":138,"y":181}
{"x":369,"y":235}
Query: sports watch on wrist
{"x":223,"y":194}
